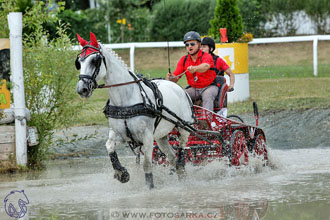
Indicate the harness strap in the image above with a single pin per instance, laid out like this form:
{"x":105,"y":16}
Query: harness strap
{"x":217,"y":71}
{"x":127,"y":112}
{"x":183,"y":124}
{"x":186,"y":57}
{"x":129,"y":134}
{"x":146,"y":108}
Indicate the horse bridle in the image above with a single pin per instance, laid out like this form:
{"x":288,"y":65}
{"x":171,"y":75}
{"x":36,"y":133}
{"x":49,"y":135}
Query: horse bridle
{"x":97,"y":62}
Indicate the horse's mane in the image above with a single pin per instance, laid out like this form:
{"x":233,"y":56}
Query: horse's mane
{"x":116,"y":56}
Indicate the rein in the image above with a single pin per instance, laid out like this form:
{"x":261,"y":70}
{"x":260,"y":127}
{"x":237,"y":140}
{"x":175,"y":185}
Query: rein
{"x":119,"y":84}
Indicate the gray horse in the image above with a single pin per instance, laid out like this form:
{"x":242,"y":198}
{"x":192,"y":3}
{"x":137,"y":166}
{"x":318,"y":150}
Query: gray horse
{"x":126,"y":92}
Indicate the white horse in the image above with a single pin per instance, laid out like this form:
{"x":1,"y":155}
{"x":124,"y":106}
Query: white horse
{"x":95,"y":64}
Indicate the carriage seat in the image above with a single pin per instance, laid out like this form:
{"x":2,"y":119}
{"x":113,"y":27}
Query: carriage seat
{"x":221,"y":99}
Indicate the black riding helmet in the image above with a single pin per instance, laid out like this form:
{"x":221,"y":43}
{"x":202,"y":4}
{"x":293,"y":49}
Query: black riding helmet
{"x":191,"y":35}
{"x":210,"y":42}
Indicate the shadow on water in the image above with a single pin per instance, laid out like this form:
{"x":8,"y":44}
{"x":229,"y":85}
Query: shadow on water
{"x":295,"y":188}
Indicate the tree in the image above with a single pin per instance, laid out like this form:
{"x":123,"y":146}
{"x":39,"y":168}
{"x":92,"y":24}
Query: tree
{"x":76,"y":4}
{"x":319,"y":11}
{"x":227,"y":15}
{"x":174,"y":18}
{"x":254,"y":16}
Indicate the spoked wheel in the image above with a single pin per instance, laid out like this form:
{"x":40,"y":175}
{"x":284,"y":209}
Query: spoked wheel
{"x":260,"y":148}
{"x":239,"y":150}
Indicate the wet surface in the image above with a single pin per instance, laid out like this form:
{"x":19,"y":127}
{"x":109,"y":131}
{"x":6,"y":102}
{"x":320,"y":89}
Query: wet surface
{"x":296,"y":187}
{"x":284,"y":130}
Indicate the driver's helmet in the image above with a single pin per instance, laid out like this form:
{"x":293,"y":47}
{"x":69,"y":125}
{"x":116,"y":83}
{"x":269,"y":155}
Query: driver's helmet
{"x":210,"y":42}
{"x":191,"y":35}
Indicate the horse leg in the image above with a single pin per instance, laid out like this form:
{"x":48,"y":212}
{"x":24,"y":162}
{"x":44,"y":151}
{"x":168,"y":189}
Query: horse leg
{"x":120,"y":172}
{"x":147,"y":163}
{"x":180,"y":163}
{"x":167,"y":150}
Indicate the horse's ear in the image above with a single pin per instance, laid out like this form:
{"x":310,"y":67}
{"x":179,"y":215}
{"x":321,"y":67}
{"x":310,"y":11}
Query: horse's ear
{"x":93,"y":40}
{"x":82,"y":41}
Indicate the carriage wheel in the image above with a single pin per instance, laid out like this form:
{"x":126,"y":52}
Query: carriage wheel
{"x":239,"y":150}
{"x":260,"y":148}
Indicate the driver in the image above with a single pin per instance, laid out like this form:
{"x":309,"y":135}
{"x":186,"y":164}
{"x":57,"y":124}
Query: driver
{"x":197,"y":67}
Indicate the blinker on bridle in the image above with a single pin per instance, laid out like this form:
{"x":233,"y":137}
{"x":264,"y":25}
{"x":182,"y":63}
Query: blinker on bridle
{"x":82,"y":56}
{"x":97,"y":63}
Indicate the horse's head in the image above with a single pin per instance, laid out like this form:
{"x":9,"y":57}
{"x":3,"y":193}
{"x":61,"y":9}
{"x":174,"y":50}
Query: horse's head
{"x":89,"y":62}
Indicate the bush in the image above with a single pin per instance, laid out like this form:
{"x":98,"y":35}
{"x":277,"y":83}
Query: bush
{"x":172,"y":20}
{"x":283,"y":12}
{"x":48,"y":68}
{"x":227,"y":15}
{"x":319,"y":11}
{"x":253,"y":15}
{"x":5,"y":8}
{"x":82,"y":22}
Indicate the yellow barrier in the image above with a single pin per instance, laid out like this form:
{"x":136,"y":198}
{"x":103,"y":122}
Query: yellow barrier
{"x":4,"y":92}
{"x":4,"y":96}
{"x":236,"y":56}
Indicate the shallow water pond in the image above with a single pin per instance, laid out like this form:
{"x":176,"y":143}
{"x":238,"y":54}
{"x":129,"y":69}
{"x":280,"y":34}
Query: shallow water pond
{"x":296,"y":187}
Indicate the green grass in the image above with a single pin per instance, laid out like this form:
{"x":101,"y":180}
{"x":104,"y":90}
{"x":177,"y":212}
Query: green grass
{"x":286,"y":94}
{"x":281,"y":78}
{"x":274,"y":94}
{"x":293,"y":71}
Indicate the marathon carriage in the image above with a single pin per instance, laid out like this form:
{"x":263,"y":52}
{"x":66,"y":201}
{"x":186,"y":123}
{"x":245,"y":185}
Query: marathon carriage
{"x":217,"y":136}
{"x":142,"y":111}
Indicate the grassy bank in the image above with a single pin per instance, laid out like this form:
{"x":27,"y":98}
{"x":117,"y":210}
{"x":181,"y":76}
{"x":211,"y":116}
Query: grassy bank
{"x":281,"y":77}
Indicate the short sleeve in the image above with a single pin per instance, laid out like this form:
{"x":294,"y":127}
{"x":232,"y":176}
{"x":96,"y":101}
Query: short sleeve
{"x":179,"y":67}
{"x":221,"y":64}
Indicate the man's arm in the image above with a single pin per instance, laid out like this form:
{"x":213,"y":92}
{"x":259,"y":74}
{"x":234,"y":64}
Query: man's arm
{"x":202,"y":68}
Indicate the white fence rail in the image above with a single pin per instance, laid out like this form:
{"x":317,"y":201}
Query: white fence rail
{"x":314,"y":38}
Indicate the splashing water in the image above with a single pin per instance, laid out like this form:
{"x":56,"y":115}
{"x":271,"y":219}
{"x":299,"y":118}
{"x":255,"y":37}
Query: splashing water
{"x":296,"y":182}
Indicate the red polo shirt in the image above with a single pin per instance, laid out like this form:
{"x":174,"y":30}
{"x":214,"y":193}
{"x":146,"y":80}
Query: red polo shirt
{"x":221,"y":64}
{"x":203,"y":79}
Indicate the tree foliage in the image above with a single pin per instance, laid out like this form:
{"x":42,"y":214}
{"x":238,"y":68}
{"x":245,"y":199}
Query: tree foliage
{"x":82,"y":22}
{"x":283,"y":15}
{"x":172,"y":19}
{"x":48,"y":76}
{"x":227,"y":15}
{"x":75,"y":4}
{"x":319,"y":11}
{"x":254,"y":16}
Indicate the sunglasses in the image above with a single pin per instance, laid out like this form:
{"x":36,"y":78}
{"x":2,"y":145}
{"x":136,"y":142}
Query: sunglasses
{"x":191,"y":44}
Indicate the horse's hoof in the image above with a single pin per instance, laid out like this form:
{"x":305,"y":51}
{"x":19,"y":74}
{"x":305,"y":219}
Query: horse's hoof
{"x":149,"y":180}
{"x":122,"y":175}
{"x":181,"y":172}
{"x":172,"y":172}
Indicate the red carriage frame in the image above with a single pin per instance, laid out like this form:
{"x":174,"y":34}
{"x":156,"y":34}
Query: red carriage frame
{"x":230,"y":137}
